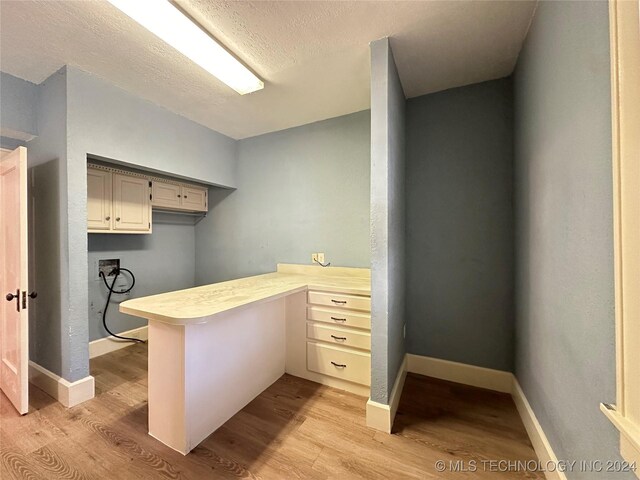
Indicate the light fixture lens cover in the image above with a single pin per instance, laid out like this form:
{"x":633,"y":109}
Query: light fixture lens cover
{"x":168,"y":23}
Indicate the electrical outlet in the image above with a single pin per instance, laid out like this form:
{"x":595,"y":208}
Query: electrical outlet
{"x":107,"y":266}
{"x":314,"y":257}
{"x":321,"y":257}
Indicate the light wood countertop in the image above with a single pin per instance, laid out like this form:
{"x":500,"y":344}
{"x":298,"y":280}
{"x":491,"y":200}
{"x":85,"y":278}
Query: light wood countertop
{"x":200,"y":304}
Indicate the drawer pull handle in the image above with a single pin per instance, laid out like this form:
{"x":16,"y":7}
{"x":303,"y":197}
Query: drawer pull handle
{"x":339,"y":319}
{"x":338,"y":338}
{"x":339,"y":365}
{"x":339,"y":302}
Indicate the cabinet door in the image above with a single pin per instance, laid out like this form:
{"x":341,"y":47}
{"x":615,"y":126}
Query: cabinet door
{"x":98,"y":199}
{"x":131,"y":203}
{"x":165,"y":195}
{"x":194,"y":198}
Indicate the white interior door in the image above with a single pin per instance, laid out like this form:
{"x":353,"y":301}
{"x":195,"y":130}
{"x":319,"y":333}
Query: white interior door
{"x":14,"y":320}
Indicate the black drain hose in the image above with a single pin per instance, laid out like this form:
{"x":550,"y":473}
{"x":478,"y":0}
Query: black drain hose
{"x":117,"y":271}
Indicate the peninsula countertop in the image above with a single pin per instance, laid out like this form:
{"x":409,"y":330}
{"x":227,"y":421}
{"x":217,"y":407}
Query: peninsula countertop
{"x":200,"y":304}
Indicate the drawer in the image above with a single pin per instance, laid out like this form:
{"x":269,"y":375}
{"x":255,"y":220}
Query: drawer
{"x":339,"y":362}
{"x":339,"y":317}
{"x":340,"y":300}
{"x":345,"y":337}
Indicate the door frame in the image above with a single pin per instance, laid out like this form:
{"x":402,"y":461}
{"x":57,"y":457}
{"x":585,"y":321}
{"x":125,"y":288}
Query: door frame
{"x":624,"y":20}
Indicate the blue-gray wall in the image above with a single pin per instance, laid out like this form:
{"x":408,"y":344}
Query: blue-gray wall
{"x":108,"y":122}
{"x":18,"y":108}
{"x":49,"y":261}
{"x":161,"y":262}
{"x":301,"y":190}
{"x":565,"y":348}
{"x":387,"y":221}
{"x":460,"y":247}
{"x":105,"y":121}
{"x":78,"y":114}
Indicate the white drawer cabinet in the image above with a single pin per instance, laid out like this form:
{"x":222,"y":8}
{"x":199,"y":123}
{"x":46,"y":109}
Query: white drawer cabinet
{"x":339,"y":338}
{"x":340,"y":300}
{"x":339,"y":317}
{"x":344,"y":337}
{"x":348,"y":365}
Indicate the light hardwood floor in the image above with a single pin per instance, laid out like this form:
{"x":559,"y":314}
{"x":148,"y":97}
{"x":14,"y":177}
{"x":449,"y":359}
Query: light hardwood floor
{"x":295,"y":429}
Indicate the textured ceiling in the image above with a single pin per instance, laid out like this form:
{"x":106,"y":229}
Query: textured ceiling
{"x":312,"y":55}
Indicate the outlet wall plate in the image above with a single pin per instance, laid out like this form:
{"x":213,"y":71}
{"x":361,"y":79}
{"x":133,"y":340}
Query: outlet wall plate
{"x":317,"y":258}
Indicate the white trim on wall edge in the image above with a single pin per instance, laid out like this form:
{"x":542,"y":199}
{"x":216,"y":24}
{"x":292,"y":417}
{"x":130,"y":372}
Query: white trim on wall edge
{"x":110,"y":344}
{"x":497,"y":380}
{"x":67,"y":393}
{"x":381,"y":416}
{"x":537,"y":436}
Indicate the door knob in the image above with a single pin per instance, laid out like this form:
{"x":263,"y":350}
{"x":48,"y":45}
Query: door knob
{"x":33,"y":294}
{"x":10,"y":297}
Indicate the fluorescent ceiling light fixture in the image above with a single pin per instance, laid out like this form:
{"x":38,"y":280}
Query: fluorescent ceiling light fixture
{"x":168,"y":23}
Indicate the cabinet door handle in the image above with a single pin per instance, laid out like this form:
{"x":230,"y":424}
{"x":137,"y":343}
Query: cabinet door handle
{"x":338,"y":338}
{"x":339,"y":365}
{"x":339,"y":302}
{"x":185,"y":196}
{"x":107,"y":218}
{"x":339,"y":319}
{"x":178,"y":196}
{"x":117,"y":219}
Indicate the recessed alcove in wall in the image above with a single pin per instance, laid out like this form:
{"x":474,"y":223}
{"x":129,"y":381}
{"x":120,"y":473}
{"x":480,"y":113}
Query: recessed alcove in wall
{"x":155,"y":261}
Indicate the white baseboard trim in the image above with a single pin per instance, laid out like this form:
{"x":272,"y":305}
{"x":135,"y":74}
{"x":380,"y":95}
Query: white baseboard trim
{"x":381,"y":416}
{"x":498,"y":381}
{"x":537,"y":436}
{"x":111,"y":344}
{"x":481,"y":377}
{"x":67,"y":393}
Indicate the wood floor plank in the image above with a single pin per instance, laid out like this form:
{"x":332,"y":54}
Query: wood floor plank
{"x":56,"y":465}
{"x":294,"y":429}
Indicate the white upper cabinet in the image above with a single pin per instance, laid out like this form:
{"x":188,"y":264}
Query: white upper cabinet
{"x":166,"y":194}
{"x":119,"y":201}
{"x":131,"y":203}
{"x":176,"y":196}
{"x":98,"y":200}
{"x":194,"y":198}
